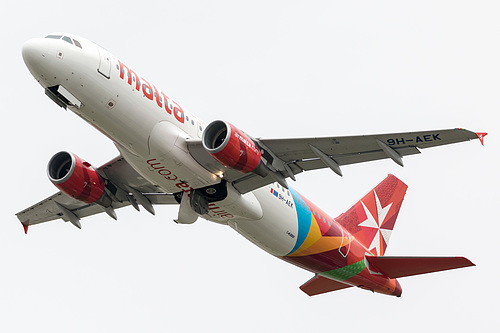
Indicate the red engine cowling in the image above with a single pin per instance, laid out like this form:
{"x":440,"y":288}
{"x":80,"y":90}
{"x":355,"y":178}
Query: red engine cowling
{"x":231,"y":147}
{"x":75,"y":177}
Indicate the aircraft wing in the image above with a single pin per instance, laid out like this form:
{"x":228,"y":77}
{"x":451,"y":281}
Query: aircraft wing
{"x":288,"y":157}
{"x":124,"y":185}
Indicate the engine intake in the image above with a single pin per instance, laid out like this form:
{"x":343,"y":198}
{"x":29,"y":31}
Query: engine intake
{"x":231,"y":147}
{"x":75,"y":177}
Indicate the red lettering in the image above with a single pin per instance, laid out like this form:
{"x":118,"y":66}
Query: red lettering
{"x":178,"y":113}
{"x":154,"y":165}
{"x":166,"y":101}
{"x":151,"y":92}
{"x":157,"y":96}
{"x":220,"y":212}
{"x":180,"y":185}
{"x":164,"y":172}
{"x":130,"y":73}
{"x":168,"y":177}
{"x":147,"y":90}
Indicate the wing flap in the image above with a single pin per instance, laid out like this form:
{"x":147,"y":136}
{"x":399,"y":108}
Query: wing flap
{"x":320,"y":285}
{"x":396,"y":267}
{"x":313,"y":164}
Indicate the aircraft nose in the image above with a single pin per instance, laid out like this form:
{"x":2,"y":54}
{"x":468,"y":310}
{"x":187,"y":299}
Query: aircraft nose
{"x":34,"y":53}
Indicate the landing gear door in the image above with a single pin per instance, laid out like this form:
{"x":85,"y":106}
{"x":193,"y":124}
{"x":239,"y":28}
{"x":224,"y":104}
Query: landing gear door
{"x":104,"y":63}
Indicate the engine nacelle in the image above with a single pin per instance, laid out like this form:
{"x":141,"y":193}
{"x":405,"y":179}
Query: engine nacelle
{"x":231,"y":147}
{"x":75,"y":177}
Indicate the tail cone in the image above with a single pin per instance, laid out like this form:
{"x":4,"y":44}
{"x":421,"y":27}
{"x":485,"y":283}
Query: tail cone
{"x":398,"y":290}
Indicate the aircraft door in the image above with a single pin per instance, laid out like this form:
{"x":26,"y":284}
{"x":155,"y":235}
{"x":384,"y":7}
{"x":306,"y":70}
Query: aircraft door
{"x":104,"y":63}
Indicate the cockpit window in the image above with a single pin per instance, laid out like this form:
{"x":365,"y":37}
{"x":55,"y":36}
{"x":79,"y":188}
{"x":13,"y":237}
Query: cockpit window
{"x":77,"y":43}
{"x":54,"y":36}
{"x":67,"y":39}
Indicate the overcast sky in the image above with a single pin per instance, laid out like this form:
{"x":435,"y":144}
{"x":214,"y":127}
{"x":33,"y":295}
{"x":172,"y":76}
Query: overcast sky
{"x":274,"y":69}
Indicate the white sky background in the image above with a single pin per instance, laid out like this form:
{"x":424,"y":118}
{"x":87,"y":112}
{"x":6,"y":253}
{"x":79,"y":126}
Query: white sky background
{"x":274,"y":69}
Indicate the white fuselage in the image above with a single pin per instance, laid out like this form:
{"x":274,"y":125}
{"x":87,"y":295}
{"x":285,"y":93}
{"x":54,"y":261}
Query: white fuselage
{"x":150,"y":131}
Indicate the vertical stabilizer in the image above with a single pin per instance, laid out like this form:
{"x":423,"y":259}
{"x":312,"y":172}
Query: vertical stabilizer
{"x":372,"y":219}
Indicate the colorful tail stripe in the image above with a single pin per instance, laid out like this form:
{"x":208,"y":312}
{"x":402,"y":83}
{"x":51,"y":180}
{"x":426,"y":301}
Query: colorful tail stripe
{"x":317,"y":232}
{"x":304,"y":217}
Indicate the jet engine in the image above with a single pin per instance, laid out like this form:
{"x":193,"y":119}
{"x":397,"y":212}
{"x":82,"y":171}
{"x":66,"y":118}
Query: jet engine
{"x":232,"y":147}
{"x":77,"y":178}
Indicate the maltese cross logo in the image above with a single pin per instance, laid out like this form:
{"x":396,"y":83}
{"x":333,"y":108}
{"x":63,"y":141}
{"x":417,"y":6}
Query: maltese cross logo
{"x":376,"y":221}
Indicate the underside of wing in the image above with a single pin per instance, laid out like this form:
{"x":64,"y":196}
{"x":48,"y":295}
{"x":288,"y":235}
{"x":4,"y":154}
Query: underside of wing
{"x":288,"y":157}
{"x":347,"y":146}
{"x":123,"y":185}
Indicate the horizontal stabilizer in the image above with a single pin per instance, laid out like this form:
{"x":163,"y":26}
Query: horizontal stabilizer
{"x":319,"y":285}
{"x":395,"y":267}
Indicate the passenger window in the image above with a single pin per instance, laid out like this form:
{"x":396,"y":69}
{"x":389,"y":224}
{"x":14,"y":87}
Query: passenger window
{"x":67,"y":39}
{"x":54,"y":36}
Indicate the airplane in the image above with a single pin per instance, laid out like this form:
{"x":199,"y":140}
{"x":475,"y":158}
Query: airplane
{"x":168,"y":156}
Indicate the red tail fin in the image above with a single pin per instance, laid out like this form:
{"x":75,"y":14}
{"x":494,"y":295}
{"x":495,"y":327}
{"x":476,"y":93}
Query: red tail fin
{"x":372,"y":219}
